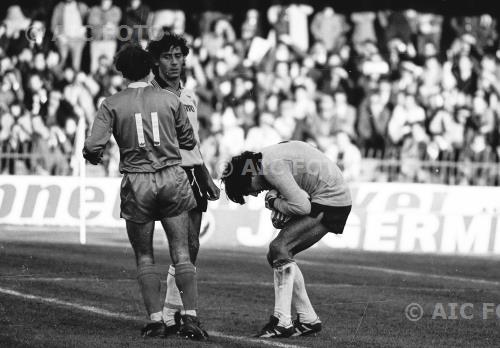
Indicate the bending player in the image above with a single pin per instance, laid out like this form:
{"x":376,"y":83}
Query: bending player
{"x":149,"y":126}
{"x":169,"y":54}
{"x":309,"y":198}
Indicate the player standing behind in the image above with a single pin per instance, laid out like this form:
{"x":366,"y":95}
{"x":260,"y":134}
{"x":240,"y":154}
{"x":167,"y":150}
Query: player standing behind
{"x":308,"y":192}
{"x":149,"y":126}
{"x":169,"y":54}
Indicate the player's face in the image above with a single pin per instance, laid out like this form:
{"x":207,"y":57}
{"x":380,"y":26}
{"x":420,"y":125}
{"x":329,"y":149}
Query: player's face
{"x":254,"y":188}
{"x":171,"y":63}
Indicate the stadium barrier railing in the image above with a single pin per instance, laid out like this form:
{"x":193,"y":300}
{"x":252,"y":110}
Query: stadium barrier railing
{"x":376,"y":166}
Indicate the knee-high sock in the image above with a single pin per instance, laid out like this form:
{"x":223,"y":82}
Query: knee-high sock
{"x":284,"y":275}
{"x":300,"y":300}
{"x":173,"y":300}
{"x":185,"y":278}
{"x":149,"y":282}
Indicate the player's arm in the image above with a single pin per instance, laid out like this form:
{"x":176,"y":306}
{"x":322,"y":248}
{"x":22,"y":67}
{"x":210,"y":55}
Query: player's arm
{"x":101,"y":133}
{"x":185,"y":133}
{"x":295,"y":201}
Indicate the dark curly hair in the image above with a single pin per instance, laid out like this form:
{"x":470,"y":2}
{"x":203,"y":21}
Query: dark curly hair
{"x":238,"y":173}
{"x":167,"y":40}
{"x":133,"y":62}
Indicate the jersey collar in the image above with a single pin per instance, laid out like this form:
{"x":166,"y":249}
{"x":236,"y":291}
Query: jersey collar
{"x":159,"y":82}
{"x":138,"y":84}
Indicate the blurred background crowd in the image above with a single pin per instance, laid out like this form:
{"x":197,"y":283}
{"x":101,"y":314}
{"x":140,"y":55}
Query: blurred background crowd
{"x":391,"y":95}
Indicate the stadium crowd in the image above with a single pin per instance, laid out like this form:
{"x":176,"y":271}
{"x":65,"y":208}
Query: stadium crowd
{"x":397,"y":85}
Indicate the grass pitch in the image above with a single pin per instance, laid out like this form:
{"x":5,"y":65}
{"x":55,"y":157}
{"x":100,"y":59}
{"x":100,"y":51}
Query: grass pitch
{"x":54,"y":293}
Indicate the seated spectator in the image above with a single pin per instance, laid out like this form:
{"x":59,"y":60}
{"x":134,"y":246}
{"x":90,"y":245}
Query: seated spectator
{"x":36,"y":38}
{"x":372,"y":124}
{"x":465,"y":75}
{"x":344,"y":115}
{"x":348,"y":157}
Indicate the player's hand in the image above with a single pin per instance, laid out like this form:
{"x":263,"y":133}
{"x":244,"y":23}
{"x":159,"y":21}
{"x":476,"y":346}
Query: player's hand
{"x":91,"y":157}
{"x":213,"y":192}
{"x":279,"y":219}
{"x":270,"y":196}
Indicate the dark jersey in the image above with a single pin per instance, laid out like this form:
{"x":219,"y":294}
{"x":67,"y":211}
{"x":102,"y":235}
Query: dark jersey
{"x":149,"y":125}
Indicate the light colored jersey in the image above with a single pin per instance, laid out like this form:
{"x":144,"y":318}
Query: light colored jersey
{"x":303,"y":174}
{"x":188,"y":99}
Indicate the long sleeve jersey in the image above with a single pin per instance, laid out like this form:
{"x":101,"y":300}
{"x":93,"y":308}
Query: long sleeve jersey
{"x":303,"y":175}
{"x":188,"y":99}
{"x":149,"y":125}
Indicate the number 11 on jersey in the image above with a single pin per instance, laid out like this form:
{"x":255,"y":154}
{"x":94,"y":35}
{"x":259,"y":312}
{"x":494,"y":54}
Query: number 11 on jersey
{"x":140,"y":129}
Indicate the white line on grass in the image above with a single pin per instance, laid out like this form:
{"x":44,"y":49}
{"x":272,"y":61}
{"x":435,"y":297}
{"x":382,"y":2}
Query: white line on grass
{"x":109,"y":314}
{"x":409,"y":273}
{"x":245,"y":284}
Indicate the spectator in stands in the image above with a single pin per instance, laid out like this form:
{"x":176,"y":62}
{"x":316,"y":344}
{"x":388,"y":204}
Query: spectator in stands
{"x":264,"y":134}
{"x":68,"y":26}
{"x":364,"y":28}
{"x":252,"y":25}
{"x":372,"y":124}
{"x":103,"y":21}
{"x":15,"y":22}
{"x":36,"y":38}
{"x":429,"y":26}
{"x":138,"y":19}
{"x":102,"y":76}
{"x":348,"y":157}
{"x":323,"y":123}
{"x":232,"y":135}
{"x":78,"y":92}
{"x":330,"y":29}
{"x":344,"y":115}
{"x":387,"y":95}
{"x":465,"y":75}
{"x":396,"y":26}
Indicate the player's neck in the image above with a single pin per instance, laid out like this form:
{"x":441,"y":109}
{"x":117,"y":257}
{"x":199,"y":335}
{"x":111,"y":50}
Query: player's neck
{"x":172,"y":83}
{"x":145,"y":79}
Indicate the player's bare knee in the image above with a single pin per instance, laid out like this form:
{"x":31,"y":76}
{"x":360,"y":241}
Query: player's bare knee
{"x":277,"y":251}
{"x":180,"y":256}
{"x":143,"y":260}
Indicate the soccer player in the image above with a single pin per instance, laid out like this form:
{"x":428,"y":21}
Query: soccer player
{"x":149,"y":126}
{"x":308,"y":192}
{"x":169,"y":54}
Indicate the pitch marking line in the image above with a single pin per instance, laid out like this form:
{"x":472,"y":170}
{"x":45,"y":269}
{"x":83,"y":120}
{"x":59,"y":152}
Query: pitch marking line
{"x":213,"y":282}
{"x":109,"y":314}
{"x":409,"y":273}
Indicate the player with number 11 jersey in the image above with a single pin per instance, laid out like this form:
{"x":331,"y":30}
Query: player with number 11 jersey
{"x":150,"y":125}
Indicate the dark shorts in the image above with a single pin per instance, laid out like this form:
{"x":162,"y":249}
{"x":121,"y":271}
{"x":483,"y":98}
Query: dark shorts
{"x":196,"y":180}
{"x":148,"y":197}
{"x":334,"y":217}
